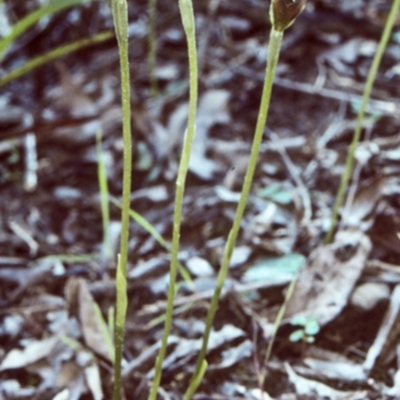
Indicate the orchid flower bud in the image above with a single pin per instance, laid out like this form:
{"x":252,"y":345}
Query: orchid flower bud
{"x":283,"y":12}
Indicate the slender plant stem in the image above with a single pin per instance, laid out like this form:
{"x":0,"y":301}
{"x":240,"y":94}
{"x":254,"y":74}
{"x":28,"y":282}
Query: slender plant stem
{"x":277,"y":324}
{"x":273,"y":56}
{"x":32,"y":18}
{"x":152,"y":41}
{"x":186,"y":10}
{"x":195,"y":382}
{"x":104,"y":197}
{"x":53,"y":55}
{"x":120,"y":15}
{"x":357,"y":132}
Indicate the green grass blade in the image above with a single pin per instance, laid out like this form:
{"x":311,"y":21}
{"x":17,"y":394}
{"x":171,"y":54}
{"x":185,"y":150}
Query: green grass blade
{"x":152,"y":41}
{"x":25,"y":23}
{"x":357,"y":132}
{"x":103,"y":185}
{"x":195,"y":382}
{"x":53,"y":55}
{"x":70,"y":258}
{"x":148,"y":227}
{"x":277,"y":323}
{"x":108,"y":339}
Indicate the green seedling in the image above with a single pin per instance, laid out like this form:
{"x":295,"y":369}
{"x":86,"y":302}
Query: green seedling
{"x":308,"y":329}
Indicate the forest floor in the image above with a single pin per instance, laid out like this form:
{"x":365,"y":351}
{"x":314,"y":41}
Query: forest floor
{"x":54,"y":268}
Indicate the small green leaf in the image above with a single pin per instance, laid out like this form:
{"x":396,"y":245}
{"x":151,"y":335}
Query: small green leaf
{"x":275,"y":269}
{"x":396,"y":37}
{"x":276,"y":193}
{"x":300,"y":320}
{"x":311,"y":327}
{"x":296,"y":335}
{"x":310,"y":339}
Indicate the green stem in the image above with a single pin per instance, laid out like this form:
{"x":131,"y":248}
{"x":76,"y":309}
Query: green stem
{"x":104,"y":197}
{"x":152,"y":41}
{"x":357,"y":132}
{"x":25,"y":23}
{"x":53,"y":55}
{"x":273,"y":56}
{"x":278,"y":320}
{"x":186,"y":10}
{"x":120,"y":15}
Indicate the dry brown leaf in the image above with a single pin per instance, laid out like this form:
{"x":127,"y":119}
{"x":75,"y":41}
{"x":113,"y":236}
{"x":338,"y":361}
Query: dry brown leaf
{"x":327,"y":281}
{"x":82,"y":305}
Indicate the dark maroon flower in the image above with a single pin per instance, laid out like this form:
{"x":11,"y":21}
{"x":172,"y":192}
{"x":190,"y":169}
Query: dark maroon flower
{"x":284,"y":12}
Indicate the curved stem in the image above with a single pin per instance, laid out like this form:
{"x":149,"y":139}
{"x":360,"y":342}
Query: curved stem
{"x":120,"y":15}
{"x":186,"y":10}
{"x":273,"y":56}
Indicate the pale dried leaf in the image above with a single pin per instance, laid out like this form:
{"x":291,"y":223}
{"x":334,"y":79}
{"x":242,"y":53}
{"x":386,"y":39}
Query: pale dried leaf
{"x":308,"y":387}
{"x":32,"y":352}
{"x":93,"y":381}
{"x":81,"y":303}
{"x":367,"y":295}
{"x":365,"y":201}
{"x":344,"y":371}
{"x":327,"y":281}
{"x":386,"y":339}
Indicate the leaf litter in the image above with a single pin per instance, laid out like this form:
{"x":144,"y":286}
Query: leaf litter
{"x":54,"y":314}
